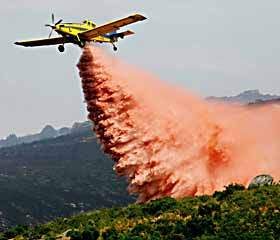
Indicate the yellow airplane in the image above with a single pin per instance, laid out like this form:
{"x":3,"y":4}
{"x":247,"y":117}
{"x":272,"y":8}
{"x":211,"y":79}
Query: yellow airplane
{"x":80,"y":33}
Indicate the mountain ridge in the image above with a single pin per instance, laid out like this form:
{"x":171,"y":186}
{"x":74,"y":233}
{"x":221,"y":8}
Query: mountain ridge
{"x":47,"y":132}
{"x":247,"y":97}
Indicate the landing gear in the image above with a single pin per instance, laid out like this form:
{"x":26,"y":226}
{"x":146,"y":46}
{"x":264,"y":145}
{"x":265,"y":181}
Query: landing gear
{"x":114,"y":47}
{"x":61,"y":48}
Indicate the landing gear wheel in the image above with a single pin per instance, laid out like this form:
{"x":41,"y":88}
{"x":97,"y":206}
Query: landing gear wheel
{"x":61,"y":48}
{"x":115,"y":48}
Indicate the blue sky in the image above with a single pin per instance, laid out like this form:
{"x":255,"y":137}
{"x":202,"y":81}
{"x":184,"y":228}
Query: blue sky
{"x":211,"y":47}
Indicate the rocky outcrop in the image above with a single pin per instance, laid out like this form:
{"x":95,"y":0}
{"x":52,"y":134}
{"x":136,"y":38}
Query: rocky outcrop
{"x":261,"y":180}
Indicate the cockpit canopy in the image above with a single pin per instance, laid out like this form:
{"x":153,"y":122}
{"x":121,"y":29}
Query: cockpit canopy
{"x":89,"y":23}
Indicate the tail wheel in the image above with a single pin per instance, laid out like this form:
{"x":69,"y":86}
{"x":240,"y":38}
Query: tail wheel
{"x":61,"y":48}
{"x":115,"y":48}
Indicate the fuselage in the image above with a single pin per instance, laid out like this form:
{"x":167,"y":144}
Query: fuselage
{"x":70,"y":30}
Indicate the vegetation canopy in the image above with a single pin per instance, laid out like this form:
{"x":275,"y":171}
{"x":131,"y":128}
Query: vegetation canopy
{"x":236,"y":213}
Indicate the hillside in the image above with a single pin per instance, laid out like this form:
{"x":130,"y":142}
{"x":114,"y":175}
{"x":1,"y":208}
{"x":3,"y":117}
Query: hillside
{"x":233,"y":214}
{"x":64,"y":174}
{"x":56,"y":178}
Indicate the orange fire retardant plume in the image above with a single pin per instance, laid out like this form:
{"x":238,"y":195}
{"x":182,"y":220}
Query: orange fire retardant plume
{"x":169,"y":142}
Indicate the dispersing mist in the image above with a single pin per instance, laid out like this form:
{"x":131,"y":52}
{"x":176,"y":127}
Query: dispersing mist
{"x":169,"y":142}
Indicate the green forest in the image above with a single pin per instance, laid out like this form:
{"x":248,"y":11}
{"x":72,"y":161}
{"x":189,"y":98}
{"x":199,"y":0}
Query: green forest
{"x":236,"y":213}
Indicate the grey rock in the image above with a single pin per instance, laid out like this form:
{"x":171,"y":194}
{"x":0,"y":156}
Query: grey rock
{"x":261,"y":180}
{"x":79,"y":127}
{"x":48,"y":132}
{"x":64,"y":131}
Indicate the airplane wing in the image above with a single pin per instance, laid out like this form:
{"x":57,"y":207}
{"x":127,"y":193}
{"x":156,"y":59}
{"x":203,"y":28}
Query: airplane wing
{"x":42,"y":42}
{"x":111,"y":27}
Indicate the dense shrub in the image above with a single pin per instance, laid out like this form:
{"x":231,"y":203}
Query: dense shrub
{"x":229,"y":191}
{"x":18,"y":230}
{"x":235,"y":213}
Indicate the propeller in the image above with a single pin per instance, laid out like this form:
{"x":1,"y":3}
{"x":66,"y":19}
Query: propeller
{"x":53,"y":26}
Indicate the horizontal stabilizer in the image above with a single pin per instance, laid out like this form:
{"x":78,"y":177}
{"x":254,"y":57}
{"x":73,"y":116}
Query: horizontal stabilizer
{"x":127,"y":33}
{"x":121,"y":34}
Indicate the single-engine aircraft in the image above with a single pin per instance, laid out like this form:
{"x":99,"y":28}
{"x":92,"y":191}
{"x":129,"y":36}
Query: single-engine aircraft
{"x":80,"y":33}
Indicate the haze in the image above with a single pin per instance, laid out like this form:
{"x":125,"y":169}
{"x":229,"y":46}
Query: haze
{"x":210,"y":47}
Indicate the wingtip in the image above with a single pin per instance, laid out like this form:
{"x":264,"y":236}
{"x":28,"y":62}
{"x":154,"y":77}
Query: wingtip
{"x":19,"y":43}
{"x":139,"y":17}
